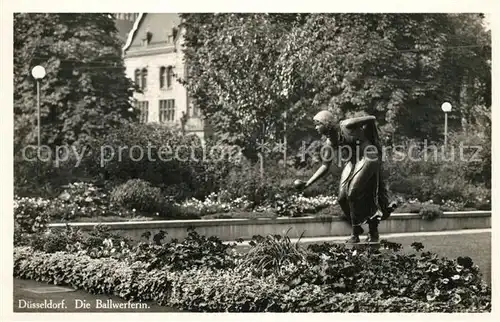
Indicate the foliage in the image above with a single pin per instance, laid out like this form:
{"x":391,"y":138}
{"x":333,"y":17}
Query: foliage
{"x":98,"y":242}
{"x":29,"y":215}
{"x":77,"y":200}
{"x":415,"y":206}
{"x":297,"y":205}
{"x":245,"y":179}
{"x":399,"y":67}
{"x":423,"y":171}
{"x":272,"y":253}
{"x":141,"y":195}
{"x":194,"y":251}
{"x":430,"y":212}
{"x":199,"y":274}
{"x":214,"y":205}
{"x":233,"y":75}
{"x":85,"y":92}
{"x":178,"y":164}
{"x":84,"y":194}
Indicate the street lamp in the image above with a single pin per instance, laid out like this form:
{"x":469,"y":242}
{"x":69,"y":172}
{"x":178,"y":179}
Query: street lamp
{"x":38,"y":73}
{"x":446,"y":107}
{"x":285,"y":142}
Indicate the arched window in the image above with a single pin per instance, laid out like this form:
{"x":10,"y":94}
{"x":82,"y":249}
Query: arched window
{"x":163,"y":75}
{"x":144,"y":78}
{"x":137,"y":77}
{"x":166,"y":77}
{"x":170,"y":75}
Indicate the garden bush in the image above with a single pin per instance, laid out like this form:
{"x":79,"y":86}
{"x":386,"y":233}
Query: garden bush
{"x":461,"y":184}
{"x":245,"y":180}
{"x":93,"y":243}
{"x":84,"y":194}
{"x":178,"y":164}
{"x":203,"y":274}
{"x":139,"y":195}
{"x":45,"y":177}
{"x":427,"y":178}
{"x":30,"y":215}
{"x":77,"y":200}
{"x":80,"y":199}
{"x":430,"y":212}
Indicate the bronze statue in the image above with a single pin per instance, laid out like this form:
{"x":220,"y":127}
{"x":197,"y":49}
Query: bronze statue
{"x":363,"y":195}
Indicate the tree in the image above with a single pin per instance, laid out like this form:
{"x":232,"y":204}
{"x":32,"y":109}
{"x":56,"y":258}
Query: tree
{"x":233,"y":76}
{"x":399,"y":67}
{"x":467,"y":67}
{"x":85,"y":92}
{"x":247,"y":70}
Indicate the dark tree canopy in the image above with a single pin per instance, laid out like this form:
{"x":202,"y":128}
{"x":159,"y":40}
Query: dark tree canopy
{"x":247,"y":70}
{"x":85,"y":92}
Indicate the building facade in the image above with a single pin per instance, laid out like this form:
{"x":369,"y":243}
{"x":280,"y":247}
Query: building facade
{"x":154,"y":60}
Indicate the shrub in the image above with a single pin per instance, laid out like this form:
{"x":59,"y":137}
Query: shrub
{"x":30,"y":215}
{"x":245,"y":180}
{"x":194,"y":251}
{"x":272,"y":253}
{"x":426,"y":177}
{"x":430,"y":212}
{"x":32,"y":178}
{"x":332,"y":278}
{"x":45,"y":177}
{"x":98,"y":242}
{"x":168,"y":160}
{"x":296,"y":205}
{"x":84,"y":194}
{"x":409,"y":207}
{"x":142,"y":196}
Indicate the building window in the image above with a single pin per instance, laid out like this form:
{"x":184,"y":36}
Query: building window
{"x":144,"y":79}
{"x":143,"y":107}
{"x":167,"y":111}
{"x":141,"y":78}
{"x":166,"y":77}
{"x":163,"y":75}
{"x":170,"y":75}
{"x":137,"y":77}
{"x":147,"y":38}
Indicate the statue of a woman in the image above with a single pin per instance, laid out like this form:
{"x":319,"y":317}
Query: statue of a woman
{"x":363,"y":195}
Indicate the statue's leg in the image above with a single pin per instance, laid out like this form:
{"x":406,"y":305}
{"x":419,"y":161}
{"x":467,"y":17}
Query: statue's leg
{"x":373,"y":235}
{"x":362,"y":193}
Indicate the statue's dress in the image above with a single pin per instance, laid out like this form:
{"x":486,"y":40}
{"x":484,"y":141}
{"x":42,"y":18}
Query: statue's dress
{"x":361,"y":191}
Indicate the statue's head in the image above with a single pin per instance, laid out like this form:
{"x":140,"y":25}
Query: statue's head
{"x":324,"y":122}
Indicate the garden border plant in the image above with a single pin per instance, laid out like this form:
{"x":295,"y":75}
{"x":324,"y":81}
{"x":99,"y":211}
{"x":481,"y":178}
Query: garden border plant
{"x":87,"y":202}
{"x":205,"y":275}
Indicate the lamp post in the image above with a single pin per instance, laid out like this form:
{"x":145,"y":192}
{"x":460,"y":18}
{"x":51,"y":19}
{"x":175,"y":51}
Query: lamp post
{"x":285,"y":143}
{"x":38,"y":73}
{"x":446,"y":107}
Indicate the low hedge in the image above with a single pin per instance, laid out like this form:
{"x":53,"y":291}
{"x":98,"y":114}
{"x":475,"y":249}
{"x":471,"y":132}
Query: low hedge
{"x":240,"y":289}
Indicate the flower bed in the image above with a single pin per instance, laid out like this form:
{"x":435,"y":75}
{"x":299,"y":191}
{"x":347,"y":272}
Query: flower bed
{"x":276,"y":275}
{"x":87,"y":202}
